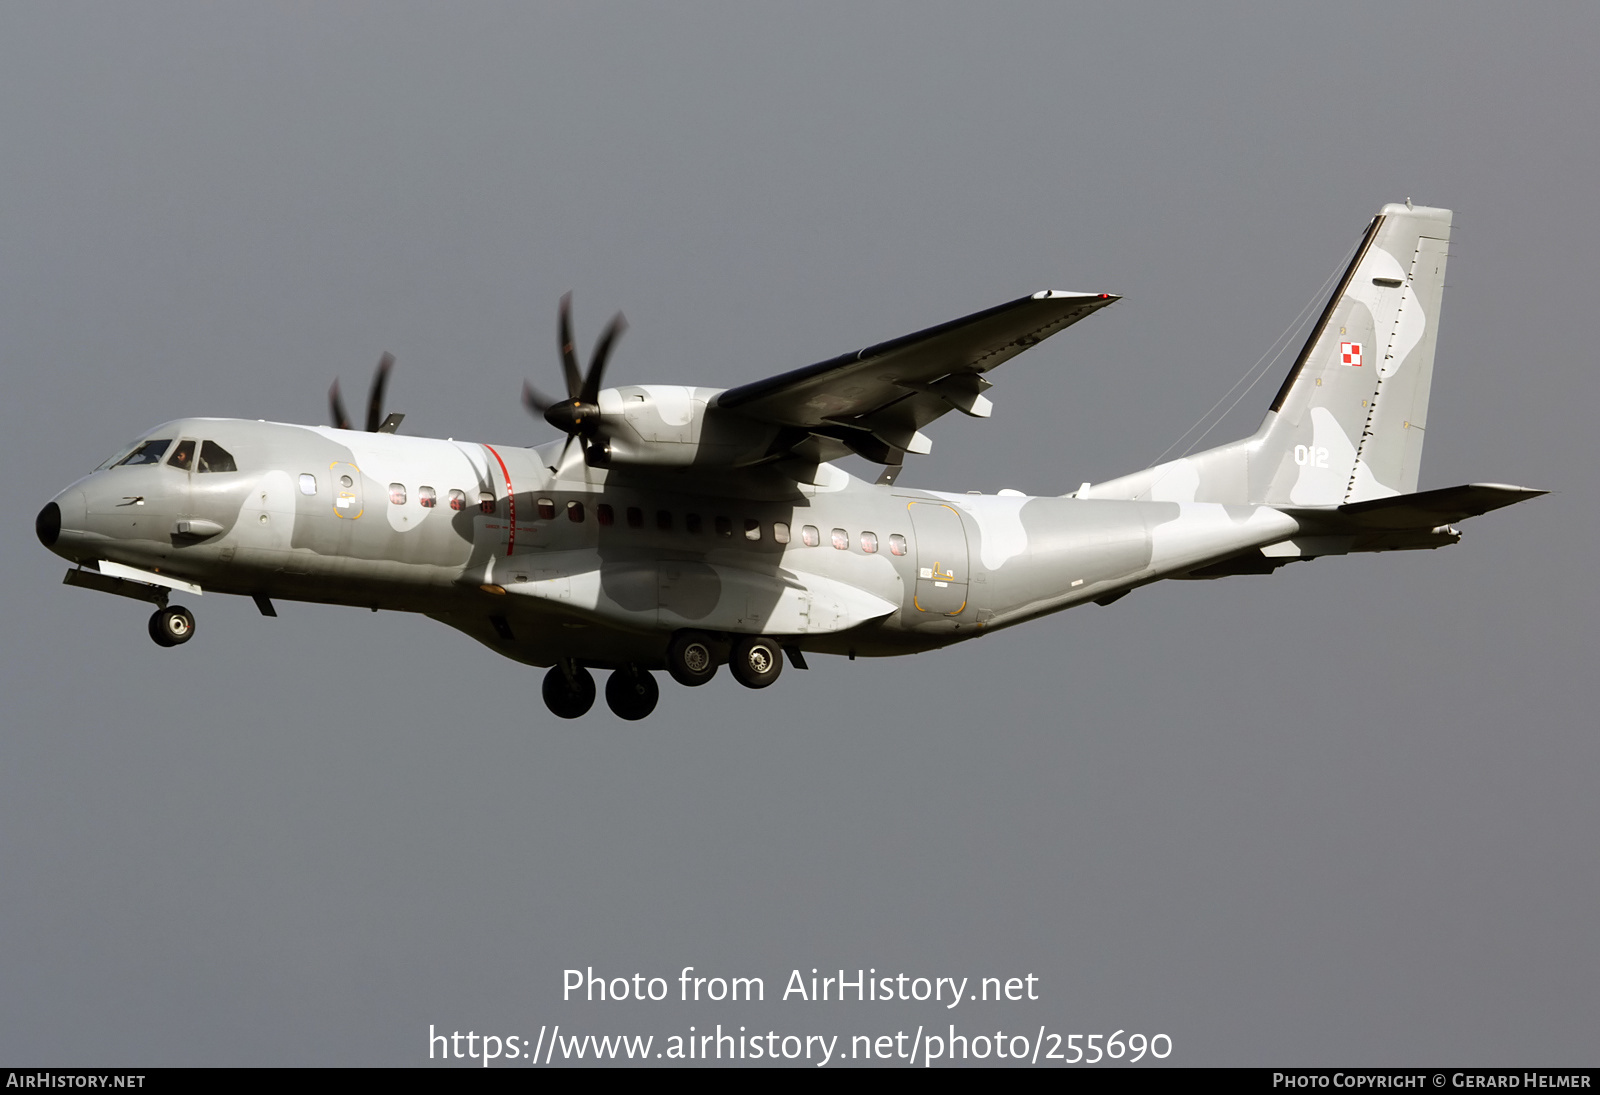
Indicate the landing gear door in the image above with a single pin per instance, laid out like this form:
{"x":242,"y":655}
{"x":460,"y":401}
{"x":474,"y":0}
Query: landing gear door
{"x":941,"y":559}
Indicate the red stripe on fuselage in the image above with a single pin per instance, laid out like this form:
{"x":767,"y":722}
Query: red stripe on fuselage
{"x":511,"y":502}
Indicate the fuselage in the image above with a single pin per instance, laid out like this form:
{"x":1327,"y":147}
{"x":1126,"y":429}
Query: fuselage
{"x":603,"y":566}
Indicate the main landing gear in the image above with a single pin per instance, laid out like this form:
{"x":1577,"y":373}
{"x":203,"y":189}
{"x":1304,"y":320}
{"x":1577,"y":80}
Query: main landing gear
{"x":754,"y":660}
{"x":631,"y":692}
{"x":692,"y":659}
{"x":172,"y":626}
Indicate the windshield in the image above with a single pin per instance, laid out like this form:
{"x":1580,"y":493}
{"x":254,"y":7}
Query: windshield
{"x":146,"y":452}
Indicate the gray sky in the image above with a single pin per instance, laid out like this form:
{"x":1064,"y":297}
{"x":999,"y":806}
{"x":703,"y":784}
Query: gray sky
{"x":1341,"y":814}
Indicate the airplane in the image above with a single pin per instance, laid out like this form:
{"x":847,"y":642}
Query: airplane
{"x":684,"y":528}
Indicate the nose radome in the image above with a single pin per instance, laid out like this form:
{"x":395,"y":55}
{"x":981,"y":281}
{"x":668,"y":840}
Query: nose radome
{"x":48,"y":525}
{"x":66,"y":517}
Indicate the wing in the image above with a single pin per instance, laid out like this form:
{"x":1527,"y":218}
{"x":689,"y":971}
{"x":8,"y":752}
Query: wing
{"x":874,"y":402}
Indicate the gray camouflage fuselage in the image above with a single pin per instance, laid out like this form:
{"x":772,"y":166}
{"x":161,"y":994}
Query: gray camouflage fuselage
{"x":708,"y":514}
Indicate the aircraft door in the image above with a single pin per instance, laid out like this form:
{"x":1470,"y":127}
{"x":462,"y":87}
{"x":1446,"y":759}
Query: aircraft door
{"x":345,"y":487}
{"x":941,"y":559}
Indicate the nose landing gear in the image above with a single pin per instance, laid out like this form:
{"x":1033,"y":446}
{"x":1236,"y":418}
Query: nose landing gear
{"x":172,"y":626}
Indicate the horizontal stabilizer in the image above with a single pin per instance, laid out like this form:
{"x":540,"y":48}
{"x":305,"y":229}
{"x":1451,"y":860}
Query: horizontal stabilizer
{"x":1430,"y":508}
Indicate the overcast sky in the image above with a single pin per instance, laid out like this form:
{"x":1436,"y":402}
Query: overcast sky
{"x":1341,"y":814}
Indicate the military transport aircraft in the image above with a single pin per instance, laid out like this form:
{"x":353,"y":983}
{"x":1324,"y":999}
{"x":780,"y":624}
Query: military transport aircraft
{"x":683,"y":528}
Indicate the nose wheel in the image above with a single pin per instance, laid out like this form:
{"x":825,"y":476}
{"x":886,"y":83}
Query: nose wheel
{"x":172,"y":626}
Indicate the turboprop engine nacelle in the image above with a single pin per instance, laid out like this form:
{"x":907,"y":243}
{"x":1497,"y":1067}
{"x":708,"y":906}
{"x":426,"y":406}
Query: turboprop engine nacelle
{"x":668,"y":425}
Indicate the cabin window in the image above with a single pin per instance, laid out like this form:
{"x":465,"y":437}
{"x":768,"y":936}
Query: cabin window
{"x":604,"y":514}
{"x":397,"y":494}
{"x":869,"y":542}
{"x":458,"y":500}
{"x":346,"y":482}
{"x":809,"y":536}
{"x":897,"y":544}
{"x":841,"y":539}
{"x":752,"y":529}
{"x":692,"y":524}
{"x":724,"y":527}
{"x":575,"y":512}
{"x":182,"y":457}
{"x":485,"y":502}
{"x":780,"y":532}
{"x":427,"y":497}
{"x":635,"y":517}
{"x":150,"y":452}
{"x":664,"y":520}
{"x":308,"y":484}
{"x":547,"y":509}
{"x":215,"y":458}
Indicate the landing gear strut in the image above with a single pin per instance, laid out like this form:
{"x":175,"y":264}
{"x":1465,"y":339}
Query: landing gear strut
{"x":568,"y":691}
{"x":172,"y":626}
{"x":631,"y":693}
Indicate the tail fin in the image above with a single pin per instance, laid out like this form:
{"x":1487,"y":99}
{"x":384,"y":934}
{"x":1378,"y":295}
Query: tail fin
{"x":1349,"y":421}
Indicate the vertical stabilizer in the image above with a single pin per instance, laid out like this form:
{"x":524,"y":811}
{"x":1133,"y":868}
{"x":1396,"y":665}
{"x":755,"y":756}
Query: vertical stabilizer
{"x":1349,"y":421}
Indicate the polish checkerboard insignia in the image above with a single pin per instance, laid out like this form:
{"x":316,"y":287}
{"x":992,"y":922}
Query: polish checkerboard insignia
{"x":1350,"y":353}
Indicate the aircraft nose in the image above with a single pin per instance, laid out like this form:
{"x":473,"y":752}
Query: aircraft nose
{"x":47,"y":526}
{"x":67,"y":513}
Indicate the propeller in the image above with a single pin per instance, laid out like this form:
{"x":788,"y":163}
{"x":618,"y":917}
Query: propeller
{"x":376,"y":422}
{"x":578,"y":416}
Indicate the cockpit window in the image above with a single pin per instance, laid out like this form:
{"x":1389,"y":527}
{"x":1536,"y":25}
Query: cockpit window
{"x":213,"y":457}
{"x":182,"y":457}
{"x":150,"y":452}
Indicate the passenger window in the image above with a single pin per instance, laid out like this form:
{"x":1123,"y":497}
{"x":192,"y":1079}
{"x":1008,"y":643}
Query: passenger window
{"x":635,"y":517}
{"x":215,"y":458}
{"x":308,"y":484}
{"x":485,"y":502}
{"x":752,"y":529}
{"x":780,"y":532}
{"x":603,"y":514}
{"x":841,"y":539}
{"x":458,"y":501}
{"x":664,"y":520}
{"x":809,"y":536}
{"x":575,"y":512}
{"x":150,"y":452}
{"x":869,"y":542}
{"x":691,"y":524}
{"x":547,"y":509}
{"x":427,"y":498}
{"x":724,"y":527}
{"x":182,"y":457}
{"x":397,"y":494}
{"x":897,"y":544}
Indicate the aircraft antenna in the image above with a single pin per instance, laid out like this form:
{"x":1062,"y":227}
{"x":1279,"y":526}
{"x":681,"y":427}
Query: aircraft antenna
{"x":1261,"y":368}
